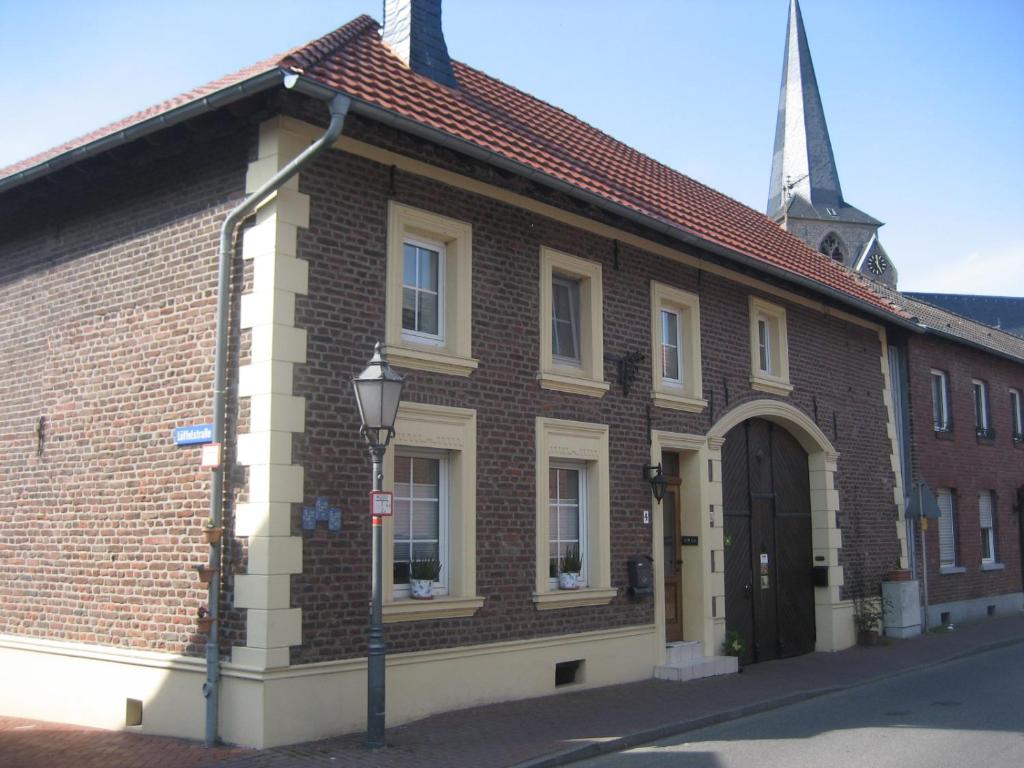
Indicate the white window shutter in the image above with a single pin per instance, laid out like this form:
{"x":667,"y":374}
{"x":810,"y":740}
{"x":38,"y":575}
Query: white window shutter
{"x":947,"y":537}
{"x":985,"y":508}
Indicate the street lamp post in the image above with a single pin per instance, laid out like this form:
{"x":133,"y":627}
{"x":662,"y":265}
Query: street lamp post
{"x":378,"y":391}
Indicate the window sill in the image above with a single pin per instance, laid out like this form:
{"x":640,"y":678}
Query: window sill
{"x":774,"y":386}
{"x":947,"y":570}
{"x":430,"y":360}
{"x":438,"y":608}
{"x":577,"y":385}
{"x":675,"y":402}
{"x":993,"y":566}
{"x":573,"y":598}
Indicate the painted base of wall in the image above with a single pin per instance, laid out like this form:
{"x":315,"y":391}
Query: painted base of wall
{"x":976,"y":609}
{"x":89,"y":685}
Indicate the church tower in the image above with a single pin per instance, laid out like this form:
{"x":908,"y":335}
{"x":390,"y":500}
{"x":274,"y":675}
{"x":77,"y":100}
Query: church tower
{"x":805,"y":197}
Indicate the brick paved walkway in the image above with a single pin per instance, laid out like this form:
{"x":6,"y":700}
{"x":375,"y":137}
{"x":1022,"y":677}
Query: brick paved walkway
{"x":535,"y":733}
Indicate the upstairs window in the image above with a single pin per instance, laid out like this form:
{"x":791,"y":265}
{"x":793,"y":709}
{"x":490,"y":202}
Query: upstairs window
{"x":1016,"y":417}
{"x":983,"y":426}
{"x":565,"y":320}
{"x":941,"y":421}
{"x":423,"y":291}
{"x":675,"y":349}
{"x":769,"y":348}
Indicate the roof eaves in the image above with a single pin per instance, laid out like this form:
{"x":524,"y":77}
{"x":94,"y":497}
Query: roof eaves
{"x":313,"y":87}
{"x":227,"y":95}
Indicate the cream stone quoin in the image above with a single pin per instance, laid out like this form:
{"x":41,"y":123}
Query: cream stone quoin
{"x":703,"y":575}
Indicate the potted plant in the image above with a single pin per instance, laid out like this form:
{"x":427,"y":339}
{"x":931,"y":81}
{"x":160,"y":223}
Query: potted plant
{"x":422,"y":575}
{"x":733,"y":644}
{"x":206,"y":573}
{"x":569,"y":569}
{"x":867,"y":614}
{"x":213,"y":533}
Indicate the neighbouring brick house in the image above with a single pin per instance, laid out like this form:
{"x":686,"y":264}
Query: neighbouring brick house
{"x":566,"y":311}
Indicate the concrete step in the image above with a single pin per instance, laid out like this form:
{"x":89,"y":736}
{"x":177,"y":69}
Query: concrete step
{"x":708,"y":666}
{"x":684,"y":652}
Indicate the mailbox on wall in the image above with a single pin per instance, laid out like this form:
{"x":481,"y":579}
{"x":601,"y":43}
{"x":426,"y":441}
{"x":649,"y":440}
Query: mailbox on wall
{"x":640,"y":579}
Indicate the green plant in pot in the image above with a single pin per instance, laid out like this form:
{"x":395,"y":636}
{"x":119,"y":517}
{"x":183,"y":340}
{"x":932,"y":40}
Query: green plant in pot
{"x":733,"y":644}
{"x":569,"y":568}
{"x":867,"y":617}
{"x":422,"y":575}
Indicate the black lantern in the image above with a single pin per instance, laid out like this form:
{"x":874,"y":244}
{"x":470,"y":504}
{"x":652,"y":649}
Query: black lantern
{"x":378,"y":392}
{"x":653,"y":475}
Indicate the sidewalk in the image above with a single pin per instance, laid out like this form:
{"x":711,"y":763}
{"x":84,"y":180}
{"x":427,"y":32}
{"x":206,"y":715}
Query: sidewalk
{"x":539,"y":732}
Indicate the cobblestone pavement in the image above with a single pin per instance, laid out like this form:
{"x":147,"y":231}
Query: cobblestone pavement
{"x":536,"y":733}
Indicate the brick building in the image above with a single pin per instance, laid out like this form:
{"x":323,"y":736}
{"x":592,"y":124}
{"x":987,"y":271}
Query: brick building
{"x":569,"y":314}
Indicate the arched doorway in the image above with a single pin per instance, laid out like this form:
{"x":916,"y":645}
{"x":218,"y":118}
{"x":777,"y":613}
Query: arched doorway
{"x":769,"y":592}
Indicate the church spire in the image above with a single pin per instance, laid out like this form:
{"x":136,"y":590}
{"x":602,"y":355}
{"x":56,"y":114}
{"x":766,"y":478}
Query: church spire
{"x":803,"y":164}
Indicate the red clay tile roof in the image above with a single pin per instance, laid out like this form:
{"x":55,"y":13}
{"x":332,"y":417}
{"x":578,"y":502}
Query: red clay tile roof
{"x":501,"y":119}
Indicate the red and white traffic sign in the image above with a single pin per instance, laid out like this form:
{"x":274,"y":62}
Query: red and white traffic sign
{"x":210,"y":456}
{"x":380,"y":503}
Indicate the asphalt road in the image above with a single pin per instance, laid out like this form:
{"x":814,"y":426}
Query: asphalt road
{"x":960,"y":714}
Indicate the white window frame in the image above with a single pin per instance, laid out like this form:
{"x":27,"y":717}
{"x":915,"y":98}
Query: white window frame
{"x":686,"y":392}
{"x":946,"y":525}
{"x":441,"y":585}
{"x":437,"y":430}
{"x":584,"y":376}
{"x":423,"y":337}
{"x":982,"y":419}
{"x":582,"y":511}
{"x":1016,"y":416}
{"x":940,"y":407}
{"x":679,"y":358}
{"x":450,"y":351}
{"x":772,"y":318}
{"x":988,"y":532}
{"x":573,"y":287}
{"x":574,"y":443}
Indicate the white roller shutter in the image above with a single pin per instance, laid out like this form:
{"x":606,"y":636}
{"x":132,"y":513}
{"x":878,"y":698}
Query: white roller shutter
{"x":947,"y":534}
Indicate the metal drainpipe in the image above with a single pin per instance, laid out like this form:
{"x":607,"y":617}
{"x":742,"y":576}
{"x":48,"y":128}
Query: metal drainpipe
{"x":339,"y":105}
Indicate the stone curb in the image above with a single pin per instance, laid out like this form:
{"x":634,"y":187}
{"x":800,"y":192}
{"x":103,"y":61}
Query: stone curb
{"x":639,"y":738}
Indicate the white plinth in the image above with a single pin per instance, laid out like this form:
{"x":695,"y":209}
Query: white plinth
{"x":902,"y":606}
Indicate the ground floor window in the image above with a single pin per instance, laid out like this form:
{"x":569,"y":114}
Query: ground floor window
{"x":421,"y":519}
{"x":567,"y":521}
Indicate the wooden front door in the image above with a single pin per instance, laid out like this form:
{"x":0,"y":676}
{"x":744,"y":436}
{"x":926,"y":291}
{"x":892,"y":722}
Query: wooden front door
{"x":672,"y":549}
{"x":769,"y":594}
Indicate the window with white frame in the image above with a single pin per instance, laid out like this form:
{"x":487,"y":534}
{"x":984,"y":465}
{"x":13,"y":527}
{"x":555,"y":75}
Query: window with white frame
{"x":431,"y":470}
{"x":941,"y":421}
{"x":571,"y":324}
{"x":983,"y":426}
{"x":565,"y":320}
{"x":420,"y":532}
{"x":769,"y":348}
{"x":1016,"y":416}
{"x":675,"y":349}
{"x":986,"y":510}
{"x":428,"y":307}
{"x":573,"y":512}
{"x":423,"y":291}
{"x":947,"y":527}
{"x":567,"y":517}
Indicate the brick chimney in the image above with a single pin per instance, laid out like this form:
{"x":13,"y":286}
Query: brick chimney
{"x":412,"y":29}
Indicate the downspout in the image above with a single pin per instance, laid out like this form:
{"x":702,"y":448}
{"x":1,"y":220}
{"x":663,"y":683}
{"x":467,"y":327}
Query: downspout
{"x":339,"y":105}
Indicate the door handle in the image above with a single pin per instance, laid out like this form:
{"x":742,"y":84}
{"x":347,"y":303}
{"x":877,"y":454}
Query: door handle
{"x":748,"y":590}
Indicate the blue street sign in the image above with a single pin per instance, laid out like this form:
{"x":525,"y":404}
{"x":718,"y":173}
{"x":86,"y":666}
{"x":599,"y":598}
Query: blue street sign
{"x":194,"y":435}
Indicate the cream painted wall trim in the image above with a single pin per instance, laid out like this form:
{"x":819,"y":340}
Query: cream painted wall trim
{"x":275,"y":482}
{"x":687,"y":394}
{"x":587,"y":378}
{"x":452,"y":354}
{"x":587,"y":443}
{"x":895,"y":458}
{"x":409,"y":165}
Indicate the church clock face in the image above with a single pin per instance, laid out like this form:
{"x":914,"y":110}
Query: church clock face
{"x":877,"y":263}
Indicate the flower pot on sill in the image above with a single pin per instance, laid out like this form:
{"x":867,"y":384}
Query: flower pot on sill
{"x":213,"y":535}
{"x":206,"y":573}
{"x":568,"y":580}
{"x":205,"y":624}
{"x":421,"y":589}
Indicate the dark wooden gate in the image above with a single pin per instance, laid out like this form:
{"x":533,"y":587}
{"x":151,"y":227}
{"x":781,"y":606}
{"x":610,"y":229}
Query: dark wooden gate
{"x":769,"y":595}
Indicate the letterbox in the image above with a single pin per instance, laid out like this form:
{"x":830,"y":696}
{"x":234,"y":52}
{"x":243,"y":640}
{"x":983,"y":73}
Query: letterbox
{"x":640,"y":582}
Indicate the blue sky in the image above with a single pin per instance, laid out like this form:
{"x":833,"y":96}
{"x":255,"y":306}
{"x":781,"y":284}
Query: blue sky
{"x":924,"y":98}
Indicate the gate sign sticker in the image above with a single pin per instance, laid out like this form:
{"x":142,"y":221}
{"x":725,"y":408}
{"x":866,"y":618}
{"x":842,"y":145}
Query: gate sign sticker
{"x":380,"y":503}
